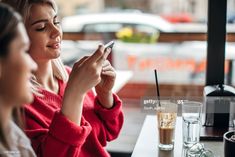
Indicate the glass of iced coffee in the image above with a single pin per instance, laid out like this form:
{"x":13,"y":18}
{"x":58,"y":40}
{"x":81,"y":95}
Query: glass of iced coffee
{"x":166,"y":120}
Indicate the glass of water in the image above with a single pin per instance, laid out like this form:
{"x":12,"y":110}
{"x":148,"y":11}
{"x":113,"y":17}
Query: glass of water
{"x":191,"y":115}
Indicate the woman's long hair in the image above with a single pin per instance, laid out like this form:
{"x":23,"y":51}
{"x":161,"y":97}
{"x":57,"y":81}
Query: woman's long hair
{"x":24,"y":8}
{"x":9,"y":22}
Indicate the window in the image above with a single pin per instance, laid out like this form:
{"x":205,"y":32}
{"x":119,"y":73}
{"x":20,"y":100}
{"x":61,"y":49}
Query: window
{"x":146,"y":43}
{"x":102,"y":27}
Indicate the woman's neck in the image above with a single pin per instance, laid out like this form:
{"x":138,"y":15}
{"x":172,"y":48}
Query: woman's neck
{"x":45,"y":77}
{"x":5,"y":113}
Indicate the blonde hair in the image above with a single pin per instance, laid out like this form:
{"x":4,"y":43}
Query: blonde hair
{"x":24,"y":8}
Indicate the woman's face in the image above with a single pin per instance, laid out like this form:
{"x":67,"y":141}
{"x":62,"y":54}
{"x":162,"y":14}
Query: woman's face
{"x":16,"y":70}
{"x":45,"y":33}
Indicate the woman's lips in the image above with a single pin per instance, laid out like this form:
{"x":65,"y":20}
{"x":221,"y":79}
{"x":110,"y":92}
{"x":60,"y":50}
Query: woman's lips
{"x":54,"y":46}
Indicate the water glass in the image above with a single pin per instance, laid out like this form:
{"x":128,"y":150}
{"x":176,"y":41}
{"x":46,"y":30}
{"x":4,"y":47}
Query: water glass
{"x":191,"y":115}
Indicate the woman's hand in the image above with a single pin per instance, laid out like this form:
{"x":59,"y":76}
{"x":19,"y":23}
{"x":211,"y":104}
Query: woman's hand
{"x":104,"y":88}
{"x":85,"y":74}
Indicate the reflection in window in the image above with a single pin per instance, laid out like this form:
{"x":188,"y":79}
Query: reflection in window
{"x":103,"y":27}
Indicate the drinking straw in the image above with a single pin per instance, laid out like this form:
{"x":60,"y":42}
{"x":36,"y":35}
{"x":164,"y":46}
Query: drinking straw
{"x":157,"y":86}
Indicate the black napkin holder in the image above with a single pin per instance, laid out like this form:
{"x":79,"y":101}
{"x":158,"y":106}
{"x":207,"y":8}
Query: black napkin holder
{"x":217,"y":99}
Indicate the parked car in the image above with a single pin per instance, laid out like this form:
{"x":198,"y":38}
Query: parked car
{"x":113,"y":22}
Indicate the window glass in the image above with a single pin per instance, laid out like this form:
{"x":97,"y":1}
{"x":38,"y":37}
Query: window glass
{"x":163,"y":35}
{"x":102,"y":27}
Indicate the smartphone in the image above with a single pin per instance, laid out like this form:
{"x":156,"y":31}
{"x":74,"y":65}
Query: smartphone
{"x":109,"y":45}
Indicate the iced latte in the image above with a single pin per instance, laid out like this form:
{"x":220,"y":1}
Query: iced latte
{"x":166,"y":118}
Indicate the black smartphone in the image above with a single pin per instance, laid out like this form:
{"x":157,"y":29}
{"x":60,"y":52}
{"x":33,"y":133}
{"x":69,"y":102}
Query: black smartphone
{"x":109,"y":45}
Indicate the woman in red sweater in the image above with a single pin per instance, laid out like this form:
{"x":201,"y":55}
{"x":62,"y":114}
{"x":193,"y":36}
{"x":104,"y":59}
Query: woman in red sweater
{"x":66,"y":118}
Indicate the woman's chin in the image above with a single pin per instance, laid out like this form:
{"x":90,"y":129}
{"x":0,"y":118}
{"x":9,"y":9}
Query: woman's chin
{"x":56,"y":52}
{"x":29,"y":98}
{"x":56,"y":55}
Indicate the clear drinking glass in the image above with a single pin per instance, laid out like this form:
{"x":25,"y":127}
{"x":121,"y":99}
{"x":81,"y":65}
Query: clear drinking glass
{"x":191,"y":115}
{"x":166,"y":118}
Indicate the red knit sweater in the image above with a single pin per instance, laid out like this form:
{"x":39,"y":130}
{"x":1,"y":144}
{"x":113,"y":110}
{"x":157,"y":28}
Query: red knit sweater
{"x":53,"y":135}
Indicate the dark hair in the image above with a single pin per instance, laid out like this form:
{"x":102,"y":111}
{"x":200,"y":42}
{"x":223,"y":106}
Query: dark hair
{"x":8,"y":26}
{"x":9,"y":20}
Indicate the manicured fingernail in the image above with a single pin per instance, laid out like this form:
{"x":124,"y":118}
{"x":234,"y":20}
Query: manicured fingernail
{"x":108,"y":50}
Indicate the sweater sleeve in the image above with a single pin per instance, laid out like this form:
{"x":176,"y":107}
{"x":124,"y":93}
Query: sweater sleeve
{"x":63,"y":138}
{"x":112,"y":118}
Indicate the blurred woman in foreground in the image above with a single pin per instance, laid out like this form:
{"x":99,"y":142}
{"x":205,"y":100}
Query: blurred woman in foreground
{"x":15,"y":87}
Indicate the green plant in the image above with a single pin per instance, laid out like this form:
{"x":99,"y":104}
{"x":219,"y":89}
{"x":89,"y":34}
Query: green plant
{"x":127,"y":34}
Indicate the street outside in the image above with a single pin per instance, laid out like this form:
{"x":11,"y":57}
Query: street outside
{"x":177,"y":63}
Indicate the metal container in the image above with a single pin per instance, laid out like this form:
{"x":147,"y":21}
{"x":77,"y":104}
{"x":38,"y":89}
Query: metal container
{"x":219,"y":106}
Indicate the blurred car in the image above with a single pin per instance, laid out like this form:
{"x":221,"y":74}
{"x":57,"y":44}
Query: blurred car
{"x":178,"y":18}
{"x":113,"y":22}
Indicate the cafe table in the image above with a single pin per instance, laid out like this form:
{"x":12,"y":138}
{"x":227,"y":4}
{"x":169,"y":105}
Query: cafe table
{"x":122,"y":78}
{"x":147,"y":142}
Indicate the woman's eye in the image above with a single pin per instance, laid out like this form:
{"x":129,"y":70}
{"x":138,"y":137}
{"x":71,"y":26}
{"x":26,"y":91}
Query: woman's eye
{"x":40,"y":29}
{"x":57,"y":23}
